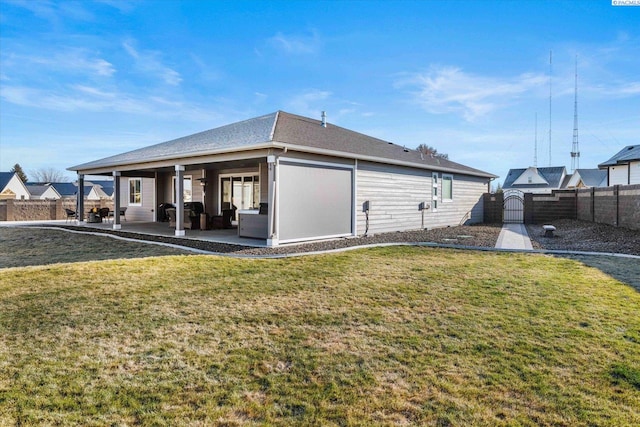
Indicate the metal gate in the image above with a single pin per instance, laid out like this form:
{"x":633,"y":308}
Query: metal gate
{"x":513,"y":207}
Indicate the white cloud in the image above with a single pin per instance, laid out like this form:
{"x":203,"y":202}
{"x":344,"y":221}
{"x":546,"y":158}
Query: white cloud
{"x":296,"y":44}
{"x":67,"y":60}
{"x":309,"y":103}
{"x":84,"y":98}
{"x":148,"y":62}
{"x":445,"y":89}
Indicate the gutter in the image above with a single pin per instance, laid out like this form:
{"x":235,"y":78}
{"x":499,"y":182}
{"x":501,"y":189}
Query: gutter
{"x":375,"y":159}
{"x":273,"y":144}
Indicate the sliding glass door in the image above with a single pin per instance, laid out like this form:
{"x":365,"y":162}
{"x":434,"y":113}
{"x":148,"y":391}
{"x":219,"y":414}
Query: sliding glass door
{"x":240,"y":191}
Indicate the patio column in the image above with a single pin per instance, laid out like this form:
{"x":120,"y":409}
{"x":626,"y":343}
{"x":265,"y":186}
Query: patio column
{"x":179,"y":200}
{"x":272,"y":231}
{"x":116,"y":201}
{"x":80,"y":199}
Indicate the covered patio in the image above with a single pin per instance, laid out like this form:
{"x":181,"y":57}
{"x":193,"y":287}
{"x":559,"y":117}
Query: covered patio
{"x":226,"y":236}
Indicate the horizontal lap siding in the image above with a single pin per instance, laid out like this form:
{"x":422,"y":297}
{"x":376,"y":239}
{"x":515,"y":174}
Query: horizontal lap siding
{"x":634,"y":173}
{"x":395,"y":193}
{"x":467,"y":204}
{"x":139,"y":213}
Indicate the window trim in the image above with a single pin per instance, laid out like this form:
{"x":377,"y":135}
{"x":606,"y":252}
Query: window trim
{"x":447,"y":176}
{"x":434,"y":191}
{"x":130,"y":203}
{"x":173,"y":188}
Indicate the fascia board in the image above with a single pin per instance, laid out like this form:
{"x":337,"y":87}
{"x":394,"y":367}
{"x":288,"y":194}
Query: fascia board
{"x":165,"y":161}
{"x":375,"y":159}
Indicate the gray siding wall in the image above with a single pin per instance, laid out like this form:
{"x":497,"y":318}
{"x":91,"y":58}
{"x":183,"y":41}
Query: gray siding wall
{"x":139,"y":213}
{"x":395,"y":192}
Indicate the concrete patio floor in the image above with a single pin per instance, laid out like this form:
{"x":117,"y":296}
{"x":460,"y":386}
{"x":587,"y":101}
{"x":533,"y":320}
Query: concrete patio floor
{"x":229,"y":236}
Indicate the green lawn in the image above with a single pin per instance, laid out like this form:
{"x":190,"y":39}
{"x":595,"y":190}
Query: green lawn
{"x":388,"y":336}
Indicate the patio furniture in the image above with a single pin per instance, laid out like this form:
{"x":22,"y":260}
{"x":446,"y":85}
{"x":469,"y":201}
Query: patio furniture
{"x":548,"y":230}
{"x":104,"y":214}
{"x":162,"y":212}
{"x":123,"y":212}
{"x":216,"y":222}
{"x":186,"y":222}
{"x":70,"y":214}
{"x":252,"y":224}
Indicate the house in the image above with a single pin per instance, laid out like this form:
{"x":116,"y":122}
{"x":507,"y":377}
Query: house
{"x":294,"y":178}
{"x":536,"y":180}
{"x":42,"y":191}
{"x":99,"y":190}
{"x":12,"y":187}
{"x":624,"y":167}
{"x":587,"y":178}
{"x":66,"y":190}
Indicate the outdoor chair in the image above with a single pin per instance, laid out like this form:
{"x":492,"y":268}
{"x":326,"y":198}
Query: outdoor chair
{"x":123,"y":211}
{"x":186,"y":222}
{"x":71,"y":215}
{"x":104,"y":214}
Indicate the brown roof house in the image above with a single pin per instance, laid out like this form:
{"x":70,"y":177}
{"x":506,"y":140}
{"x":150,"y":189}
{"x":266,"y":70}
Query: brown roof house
{"x":289,"y":178}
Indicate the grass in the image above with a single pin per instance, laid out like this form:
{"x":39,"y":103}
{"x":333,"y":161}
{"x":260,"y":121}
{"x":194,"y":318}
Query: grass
{"x":34,"y":246}
{"x":387,"y":336}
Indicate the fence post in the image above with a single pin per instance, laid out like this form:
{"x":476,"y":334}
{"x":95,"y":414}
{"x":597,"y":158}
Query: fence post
{"x":59,"y":210}
{"x":10,"y":216}
{"x":593,"y":204}
{"x":616,"y":193}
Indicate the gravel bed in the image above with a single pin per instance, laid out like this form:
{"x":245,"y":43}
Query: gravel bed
{"x":468,"y":235}
{"x":574,"y":235}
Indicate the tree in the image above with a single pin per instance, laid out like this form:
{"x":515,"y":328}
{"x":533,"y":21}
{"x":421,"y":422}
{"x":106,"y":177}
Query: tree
{"x":430,"y":151}
{"x":48,"y":175}
{"x":17,"y":169}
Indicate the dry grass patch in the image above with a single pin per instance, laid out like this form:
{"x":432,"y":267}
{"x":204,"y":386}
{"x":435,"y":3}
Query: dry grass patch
{"x":387,"y":336}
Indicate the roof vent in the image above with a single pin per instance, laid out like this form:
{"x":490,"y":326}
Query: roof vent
{"x":406,"y":150}
{"x":324,"y":119}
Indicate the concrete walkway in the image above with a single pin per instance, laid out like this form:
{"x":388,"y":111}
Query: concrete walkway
{"x":514,"y":236}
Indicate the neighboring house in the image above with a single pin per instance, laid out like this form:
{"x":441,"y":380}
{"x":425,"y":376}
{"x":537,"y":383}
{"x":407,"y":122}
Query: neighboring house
{"x":624,"y":167}
{"x":101,"y":189}
{"x":66,"y":190}
{"x":294,"y":178}
{"x":42,"y":191}
{"x":12,"y":187}
{"x":536,"y":180}
{"x":587,"y":178}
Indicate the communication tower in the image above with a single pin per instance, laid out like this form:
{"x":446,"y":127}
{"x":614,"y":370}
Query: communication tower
{"x":575,"y":150}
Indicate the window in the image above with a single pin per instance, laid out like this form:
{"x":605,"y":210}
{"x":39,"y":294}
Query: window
{"x":187,"y":189}
{"x":447,"y":188}
{"x":434,"y":192}
{"x":135,"y":192}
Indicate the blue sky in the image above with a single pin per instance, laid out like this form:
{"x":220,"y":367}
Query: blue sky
{"x":82,"y":80}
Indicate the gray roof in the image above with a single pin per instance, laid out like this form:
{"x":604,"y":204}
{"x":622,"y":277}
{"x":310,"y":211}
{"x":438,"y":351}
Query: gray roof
{"x":36,"y":189}
{"x":627,"y":154}
{"x":278,"y":129}
{"x":552,"y":175}
{"x":593,"y":177}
